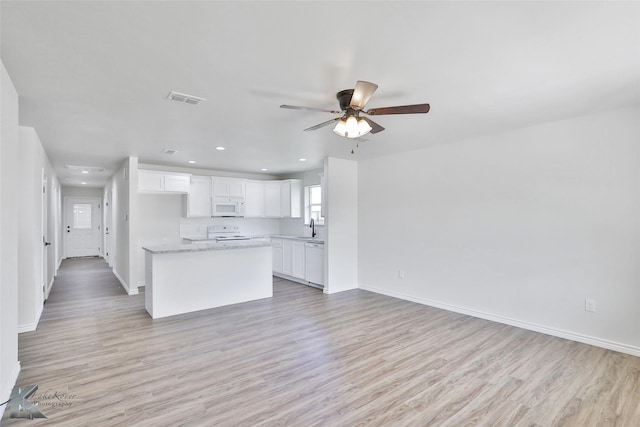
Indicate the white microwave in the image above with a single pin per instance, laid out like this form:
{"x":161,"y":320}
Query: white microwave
{"x":228,"y":207}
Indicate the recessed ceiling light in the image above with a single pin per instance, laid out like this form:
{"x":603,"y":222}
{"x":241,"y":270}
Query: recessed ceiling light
{"x":220,"y":148}
{"x":192,"y":161}
{"x":83,"y":183}
{"x":264,"y":169}
{"x":84,"y":168}
{"x":85,"y":172}
{"x":302,"y":159}
{"x":169,"y":151}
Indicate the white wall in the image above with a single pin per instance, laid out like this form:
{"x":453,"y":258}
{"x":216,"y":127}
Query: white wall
{"x":33,"y":280}
{"x":341,"y":229}
{"x":9,"y":365}
{"x":158,"y":223}
{"x":519,"y":227}
{"x":119,"y":185}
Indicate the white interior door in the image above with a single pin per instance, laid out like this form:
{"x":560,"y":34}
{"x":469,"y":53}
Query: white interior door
{"x":82,"y":226}
{"x":107,"y":227}
{"x":45,"y":237}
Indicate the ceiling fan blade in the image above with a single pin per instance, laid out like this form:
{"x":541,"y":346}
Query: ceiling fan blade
{"x":401,"y":109}
{"x":295,"y":107}
{"x":323,"y":124}
{"x":375,"y":128}
{"x":361,"y":94}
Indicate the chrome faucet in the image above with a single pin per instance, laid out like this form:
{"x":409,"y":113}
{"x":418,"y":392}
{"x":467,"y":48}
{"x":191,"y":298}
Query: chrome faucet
{"x":312,"y":225}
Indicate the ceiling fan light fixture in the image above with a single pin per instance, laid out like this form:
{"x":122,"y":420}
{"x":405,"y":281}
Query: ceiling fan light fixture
{"x":352,"y":127}
{"x":363,"y":127}
{"x":341,"y":128}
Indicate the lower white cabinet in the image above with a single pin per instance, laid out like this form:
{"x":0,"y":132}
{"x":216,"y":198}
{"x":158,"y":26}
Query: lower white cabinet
{"x":290,"y":259}
{"x":287,"y":257}
{"x":298,"y":269}
{"x":276,"y":244}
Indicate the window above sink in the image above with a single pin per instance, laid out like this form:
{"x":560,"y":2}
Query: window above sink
{"x":313,"y":204}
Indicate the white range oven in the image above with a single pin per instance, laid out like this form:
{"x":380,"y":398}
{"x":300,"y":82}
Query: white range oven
{"x":222,"y":233}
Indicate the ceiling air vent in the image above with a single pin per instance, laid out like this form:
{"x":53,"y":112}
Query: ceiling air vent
{"x":187,"y":99}
{"x":169,"y":151}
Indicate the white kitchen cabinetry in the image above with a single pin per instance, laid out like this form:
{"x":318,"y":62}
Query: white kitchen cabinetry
{"x":298,"y":261}
{"x":287,"y":257}
{"x":198,"y":201}
{"x":295,"y":259}
{"x":282,"y":198}
{"x":276,"y":244}
{"x":228,"y":187}
{"x":254,"y":203}
{"x":163,"y":182}
{"x":272,"y":199}
{"x":290,"y":198}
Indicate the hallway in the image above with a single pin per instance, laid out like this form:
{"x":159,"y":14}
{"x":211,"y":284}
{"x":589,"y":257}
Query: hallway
{"x":85,"y":286}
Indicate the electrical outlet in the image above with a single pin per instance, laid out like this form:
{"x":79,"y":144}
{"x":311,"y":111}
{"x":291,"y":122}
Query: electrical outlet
{"x":590,"y":305}
{"x":401,"y":274}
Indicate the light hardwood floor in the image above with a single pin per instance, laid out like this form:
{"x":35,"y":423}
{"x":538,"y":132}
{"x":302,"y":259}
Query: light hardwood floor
{"x":304,"y":358}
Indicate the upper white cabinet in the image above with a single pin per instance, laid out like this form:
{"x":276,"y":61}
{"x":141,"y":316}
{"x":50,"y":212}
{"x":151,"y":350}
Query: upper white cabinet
{"x":290,"y":198}
{"x":254,"y":203}
{"x":282,"y":198}
{"x":228,"y":187}
{"x":163,"y":182}
{"x":272,"y":195}
{"x":262,"y":199}
{"x":198,"y":201}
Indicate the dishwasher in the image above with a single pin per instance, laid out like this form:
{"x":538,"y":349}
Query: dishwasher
{"x":314,"y":264}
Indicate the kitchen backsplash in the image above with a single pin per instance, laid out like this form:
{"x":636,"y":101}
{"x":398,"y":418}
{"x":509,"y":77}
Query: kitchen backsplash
{"x":295,"y":227}
{"x":197,"y":227}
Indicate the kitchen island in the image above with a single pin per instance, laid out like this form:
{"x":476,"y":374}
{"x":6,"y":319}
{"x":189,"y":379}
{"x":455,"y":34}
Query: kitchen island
{"x":183,"y":278}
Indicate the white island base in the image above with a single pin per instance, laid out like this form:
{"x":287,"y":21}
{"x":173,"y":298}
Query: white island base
{"x":188,"y":279}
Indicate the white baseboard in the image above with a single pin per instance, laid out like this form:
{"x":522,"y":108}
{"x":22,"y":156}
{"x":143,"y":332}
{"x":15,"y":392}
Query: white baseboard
{"x":27,"y":327}
{"x":32,"y":326}
{"x":573,"y":336}
{"x":140,"y":284}
{"x":5,"y":393}
{"x":49,"y":287}
{"x":125,"y":285}
{"x":295,"y":279}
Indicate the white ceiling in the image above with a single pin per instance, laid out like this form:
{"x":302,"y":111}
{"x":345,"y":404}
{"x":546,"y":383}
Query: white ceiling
{"x":93,"y":77}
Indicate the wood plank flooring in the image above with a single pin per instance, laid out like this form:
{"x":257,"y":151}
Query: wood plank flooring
{"x":303,"y":358}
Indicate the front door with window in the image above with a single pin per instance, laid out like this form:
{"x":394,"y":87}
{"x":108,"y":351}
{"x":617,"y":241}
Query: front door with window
{"x":82,"y":226}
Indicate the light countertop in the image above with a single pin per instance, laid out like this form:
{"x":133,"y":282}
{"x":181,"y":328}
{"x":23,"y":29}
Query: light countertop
{"x":208,"y":246}
{"x":299,"y":238}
